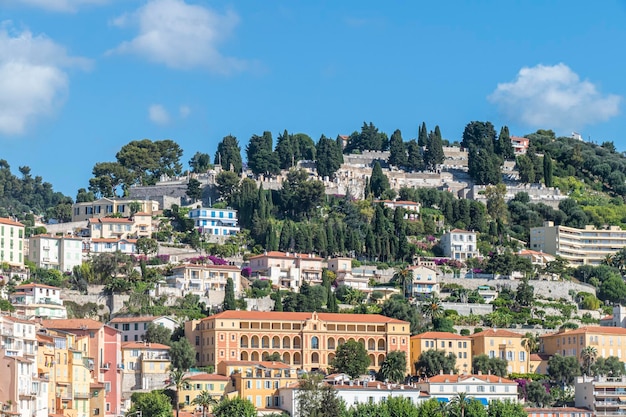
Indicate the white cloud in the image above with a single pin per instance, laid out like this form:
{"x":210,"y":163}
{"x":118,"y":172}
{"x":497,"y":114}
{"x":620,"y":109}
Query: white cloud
{"x":158,"y":114}
{"x":553,"y":97}
{"x":57,"y":5}
{"x":184,"y":111}
{"x":33,"y":81}
{"x":180,"y":35}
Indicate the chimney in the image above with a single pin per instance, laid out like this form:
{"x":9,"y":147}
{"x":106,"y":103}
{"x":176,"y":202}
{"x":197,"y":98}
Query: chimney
{"x":480,"y":372}
{"x":441,"y":372}
{"x":378,"y":386}
{"x":451,"y":372}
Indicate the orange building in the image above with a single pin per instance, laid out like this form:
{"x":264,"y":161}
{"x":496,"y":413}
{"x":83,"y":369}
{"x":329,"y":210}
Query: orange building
{"x":460,"y":346}
{"x":305,"y":340}
{"x":503,"y":344}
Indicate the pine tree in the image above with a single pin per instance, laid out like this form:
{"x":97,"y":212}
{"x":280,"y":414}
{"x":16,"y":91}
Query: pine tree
{"x":505,"y":147}
{"x":229,"y":296}
{"x":379,"y":182}
{"x":422,"y":136}
{"x":285,"y":151}
{"x":278,"y":301}
{"x":228,"y":154}
{"x":415,"y":162}
{"x":397,"y":150}
{"x":434,"y":153}
{"x":328,"y":157}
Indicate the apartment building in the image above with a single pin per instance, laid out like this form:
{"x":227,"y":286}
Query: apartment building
{"x":503,"y":344}
{"x":259,"y":381}
{"x":216,"y":385}
{"x":62,"y":253}
{"x":214,"y":221}
{"x":112,"y":245}
{"x":200,"y":279}
{"x":133,"y":328}
{"x":588,"y":246}
{"x":145,"y":367}
{"x":604,"y":396}
{"x":305,"y":340}
{"x":342,"y":267}
{"x":137,"y":226}
{"x":484,"y":388}
{"x":287,"y":270}
{"x":460,"y":346}
{"x":11,"y":242}
{"x":102,"y":345}
{"x":38,"y":300}
{"x":617,"y":319}
{"x":424,"y":281}
{"x":609,"y":341}
{"x":558,"y":412}
{"x":460,"y":244}
{"x":111,"y":207}
{"x":520,"y":145}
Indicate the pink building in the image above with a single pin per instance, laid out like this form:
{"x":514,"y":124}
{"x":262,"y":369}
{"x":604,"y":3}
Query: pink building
{"x":287,"y":269}
{"x":103,"y":351}
{"x":520,"y":145}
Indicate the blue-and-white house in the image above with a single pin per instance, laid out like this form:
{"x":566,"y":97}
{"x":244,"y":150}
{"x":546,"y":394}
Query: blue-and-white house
{"x":214,"y":221}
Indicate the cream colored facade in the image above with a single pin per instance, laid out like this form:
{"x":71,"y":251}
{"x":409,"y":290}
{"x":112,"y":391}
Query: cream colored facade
{"x":460,"y":244}
{"x":11,"y":242}
{"x":503,"y":344}
{"x":287,"y":269}
{"x":460,"y":346}
{"x":137,"y":226}
{"x":608,"y":341}
{"x":145,"y":366}
{"x":304,"y":340}
{"x":588,"y":246}
{"x":603,"y":395}
{"x":216,"y":385}
{"x":110,"y":206}
{"x":200,"y":279}
{"x":62,"y":253}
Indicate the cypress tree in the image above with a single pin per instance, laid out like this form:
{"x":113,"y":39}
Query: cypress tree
{"x":229,"y":296}
{"x":422,"y":136}
{"x":278,"y":301}
{"x":397,"y":150}
{"x":415,"y":162}
{"x":379,"y":182}
{"x":547,"y":170}
{"x":505,"y":147}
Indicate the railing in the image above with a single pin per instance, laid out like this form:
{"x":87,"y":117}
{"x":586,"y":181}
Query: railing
{"x":82,"y":395}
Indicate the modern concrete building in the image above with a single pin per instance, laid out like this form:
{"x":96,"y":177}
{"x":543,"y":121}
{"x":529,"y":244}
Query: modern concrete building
{"x":11,"y":242}
{"x":460,"y":244}
{"x":588,"y":246}
{"x":304,"y":340}
{"x":342,"y":267}
{"x":459,"y":346}
{"x":604,"y":396}
{"x":62,"y":253}
{"x":287,"y":269}
{"x":214,"y":221}
{"x":200,"y":279}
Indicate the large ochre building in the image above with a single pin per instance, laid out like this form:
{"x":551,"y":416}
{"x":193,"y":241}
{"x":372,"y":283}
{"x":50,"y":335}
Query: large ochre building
{"x":305,"y":341}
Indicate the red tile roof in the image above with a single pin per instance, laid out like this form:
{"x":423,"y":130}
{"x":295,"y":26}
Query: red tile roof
{"x":110,"y":220}
{"x":439,"y":335}
{"x":133,"y":319}
{"x":207,"y":266}
{"x":276,"y":254}
{"x":142,"y":345}
{"x":590,"y":329}
{"x":34,"y":285}
{"x":456,"y":379}
{"x":496,"y":333}
{"x":72,"y":324}
{"x":5,"y":220}
{"x":290,"y":316}
{"x":113,"y":240}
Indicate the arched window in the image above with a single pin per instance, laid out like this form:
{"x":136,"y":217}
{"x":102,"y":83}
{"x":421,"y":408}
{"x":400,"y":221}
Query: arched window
{"x":315,"y":343}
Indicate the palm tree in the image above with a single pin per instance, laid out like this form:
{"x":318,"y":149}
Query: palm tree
{"x":531,"y":345}
{"x":589,"y":355}
{"x":354,"y":296}
{"x":393,"y":367}
{"x":404,"y":278}
{"x":432,"y":308}
{"x":461,"y":401}
{"x":204,"y":400}
{"x":177,"y":379}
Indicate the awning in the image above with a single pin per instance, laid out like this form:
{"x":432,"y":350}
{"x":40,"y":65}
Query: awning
{"x":442,"y":400}
{"x":483,"y":401}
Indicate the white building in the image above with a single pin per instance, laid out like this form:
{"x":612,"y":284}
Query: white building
{"x":424,"y":280}
{"x":62,"y":253}
{"x":11,"y":242}
{"x":134,"y":328}
{"x":214,"y":221}
{"x":460,"y":244}
{"x":200,"y":279}
{"x":287,"y":270}
{"x":342,"y":267}
{"x":484,"y":388}
{"x":112,"y":245}
{"x":112,"y":206}
{"x":38,"y":300}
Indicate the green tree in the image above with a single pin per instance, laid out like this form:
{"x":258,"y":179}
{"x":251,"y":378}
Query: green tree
{"x":227,"y":185}
{"x":537,"y":394}
{"x":285,"y":151}
{"x":200,"y":163}
{"x":261,"y":158}
{"x":182,"y":355}
{"x":422,"y":136}
{"x":229,"y":297}
{"x":154,"y":403}
{"x":397,"y":150}
{"x":525,"y":293}
{"x":147,"y":246}
{"x":612,"y":289}
{"x":548,"y":170}
{"x":205,"y":400}
{"x":194,"y":190}
{"x":460,"y":402}
{"x":526,"y":169}
{"x":415,"y":161}
{"x":434,"y":153}
{"x":315,"y":399}
{"x":563,"y":369}
{"x":84,"y":196}
{"x":177,"y":380}
{"x":379,"y":182}
{"x":300,"y":195}
{"x":158,"y":334}
{"x":328,"y":157}
{"x":351,"y":358}
{"x":432,"y":361}
{"x":611,"y":366}
{"x":486,"y":365}
{"x":496,"y":206}
{"x":369,"y":139}
{"x":589,"y":354}
{"x":506,"y":409}
{"x":235,"y":407}
{"x":228,"y":154}
{"x":432,"y":308}
{"x":398,"y":406}
{"x":393,"y":367}
{"x":107,"y":179}
{"x":505,"y":147}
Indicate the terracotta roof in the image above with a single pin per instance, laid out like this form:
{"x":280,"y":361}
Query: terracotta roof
{"x":560,"y":410}
{"x":439,"y":335}
{"x":609,"y":317}
{"x":142,"y":345}
{"x":496,"y":333}
{"x":456,"y":379}
{"x":460,"y":231}
{"x":276,"y":254}
{"x":590,"y":329}
{"x":72,"y":324}
{"x":539,"y":357}
{"x":5,"y":220}
{"x":133,"y":319}
{"x":34,"y":285}
{"x":290,"y":316}
{"x":375,"y":386}
{"x":265,"y":364}
{"x":45,"y":337}
{"x":110,"y":220}
{"x":208,"y":377}
{"x":50,"y":236}
{"x":207,"y":266}
{"x":143,"y":213}
{"x":113,"y":240}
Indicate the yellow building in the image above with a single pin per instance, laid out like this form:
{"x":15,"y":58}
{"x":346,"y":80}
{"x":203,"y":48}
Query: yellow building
{"x":81,"y":381}
{"x":305,"y":340}
{"x":460,"y":346}
{"x":503,"y":344}
{"x":45,"y":367}
{"x":259,"y":382}
{"x":216,"y":385}
{"x":608,"y":341}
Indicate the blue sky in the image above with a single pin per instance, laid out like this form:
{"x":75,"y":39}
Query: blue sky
{"x":81,"y":78}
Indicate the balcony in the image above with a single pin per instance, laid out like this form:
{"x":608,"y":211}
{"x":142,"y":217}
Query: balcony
{"x":82,"y":395}
{"x":105,"y":366}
